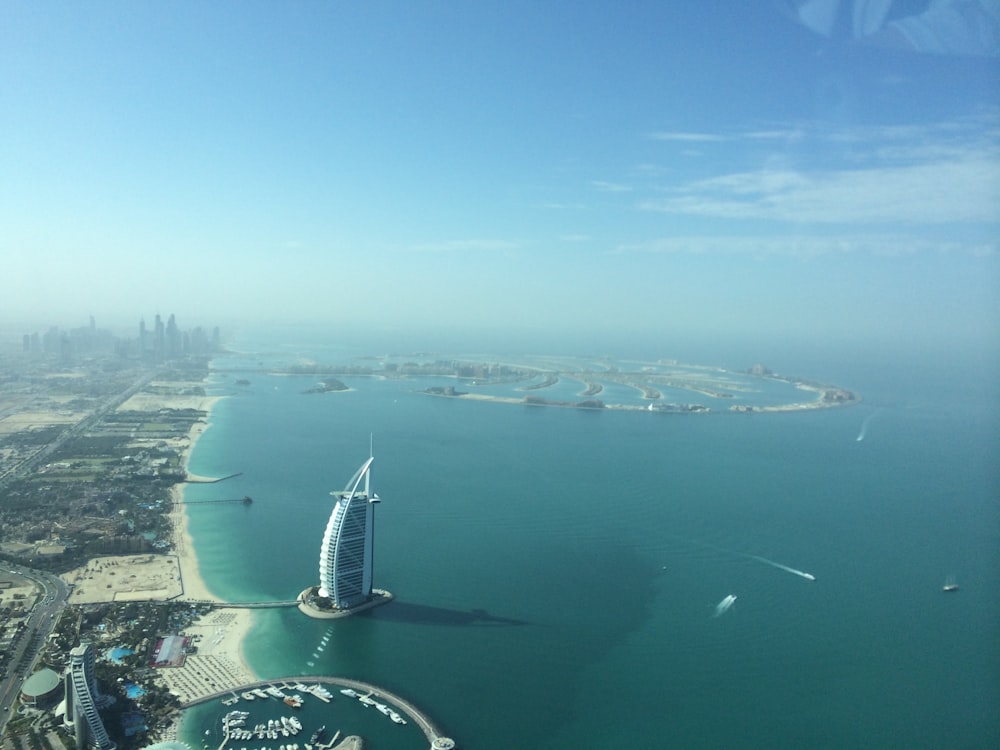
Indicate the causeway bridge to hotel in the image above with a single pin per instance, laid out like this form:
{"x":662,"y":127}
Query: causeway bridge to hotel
{"x":431,"y":732}
{"x":245,"y":605}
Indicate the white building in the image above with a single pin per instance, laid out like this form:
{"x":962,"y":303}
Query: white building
{"x":83,"y":700}
{"x":346,"y":555}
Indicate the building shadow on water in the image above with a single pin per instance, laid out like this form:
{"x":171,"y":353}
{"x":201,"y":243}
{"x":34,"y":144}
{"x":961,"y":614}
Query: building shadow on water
{"x":424,"y":614}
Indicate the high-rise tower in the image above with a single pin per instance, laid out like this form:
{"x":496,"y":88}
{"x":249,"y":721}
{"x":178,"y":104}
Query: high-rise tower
{"x":346,"y":555}
{"x":83,"y":699}
{"x":347,"y":552}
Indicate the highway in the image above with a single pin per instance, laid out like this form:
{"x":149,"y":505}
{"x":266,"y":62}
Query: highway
{"x":40,"y":623}
{"x":109,"y":404}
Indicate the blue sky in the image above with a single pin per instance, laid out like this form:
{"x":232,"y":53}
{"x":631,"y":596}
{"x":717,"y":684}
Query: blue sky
{"x":617,"y":169}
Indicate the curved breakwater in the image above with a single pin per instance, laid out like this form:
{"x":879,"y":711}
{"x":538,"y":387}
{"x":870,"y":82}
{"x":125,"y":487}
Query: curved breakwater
{"x":421,"y":719}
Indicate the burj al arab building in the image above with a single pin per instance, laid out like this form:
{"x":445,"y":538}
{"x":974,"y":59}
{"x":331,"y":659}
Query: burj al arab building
{"x":346,"y":555}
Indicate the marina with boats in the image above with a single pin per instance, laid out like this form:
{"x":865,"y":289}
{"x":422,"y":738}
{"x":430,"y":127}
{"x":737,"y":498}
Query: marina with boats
{"x":367,"y":700}
{"x":293,"y":693}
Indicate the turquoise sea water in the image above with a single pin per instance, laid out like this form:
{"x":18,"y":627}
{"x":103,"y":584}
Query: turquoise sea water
{"x":556,"y":571}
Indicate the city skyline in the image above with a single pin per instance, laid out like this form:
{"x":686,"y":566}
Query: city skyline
{"x":164,"y":340}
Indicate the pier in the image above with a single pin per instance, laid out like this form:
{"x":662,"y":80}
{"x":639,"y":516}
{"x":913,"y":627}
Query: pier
{"x":431,"y":732}
{"x":213,"y":481}
{"x":246,"y":500}
{"x":246,"y":605}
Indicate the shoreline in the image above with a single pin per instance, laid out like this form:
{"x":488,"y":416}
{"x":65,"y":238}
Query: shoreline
{"x":798,"y":406}
{"x":194,"y":586}
{"x":219,"y":635}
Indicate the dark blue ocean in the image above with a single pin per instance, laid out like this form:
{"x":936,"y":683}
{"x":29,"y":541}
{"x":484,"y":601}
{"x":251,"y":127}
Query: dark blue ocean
{"x":556,"y":571}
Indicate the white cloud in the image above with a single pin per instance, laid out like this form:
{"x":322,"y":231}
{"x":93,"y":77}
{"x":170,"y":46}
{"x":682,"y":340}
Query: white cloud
{"x":960,"y":131}
{"x":610,"y":187}
{"x":649,"y":169}
{"x":807,"y":246}
{"x":686,"y":137}
{"x":471,"y":245}
{"x":964,"y":188}
{"x":564,"y":206}
{"x":780,"y":134}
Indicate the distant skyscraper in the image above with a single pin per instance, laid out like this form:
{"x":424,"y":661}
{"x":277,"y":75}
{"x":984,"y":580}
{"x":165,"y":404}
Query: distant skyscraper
{"x":159,"y":338}
{"x":143,"y":337}
{"x":83,"y":700}
{"x":173,"y":338}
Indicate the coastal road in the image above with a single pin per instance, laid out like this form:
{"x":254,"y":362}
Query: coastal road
{"x":51,"y":599}
{"x":109,"y":404}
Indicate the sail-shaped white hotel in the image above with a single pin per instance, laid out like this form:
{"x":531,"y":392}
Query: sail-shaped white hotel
{"x":346,"y":555}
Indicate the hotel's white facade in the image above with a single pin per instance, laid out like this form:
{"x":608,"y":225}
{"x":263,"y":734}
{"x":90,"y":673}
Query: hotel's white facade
{"x":83,"y":699}
{"x":346,"y":556}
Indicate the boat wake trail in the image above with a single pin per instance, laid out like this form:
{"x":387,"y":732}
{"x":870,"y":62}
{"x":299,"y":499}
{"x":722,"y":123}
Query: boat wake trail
{"x":317,"y":652}
{"x":779,"y":566}
{"x":758,"y":558}
{"x":722,"y":607}
{"x":864,"y":424}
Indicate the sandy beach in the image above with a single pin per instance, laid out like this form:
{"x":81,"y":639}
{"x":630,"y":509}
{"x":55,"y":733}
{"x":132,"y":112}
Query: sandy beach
{"x":193,"y":585}
{"x":172,"y":396}
{"x":219,"y":663}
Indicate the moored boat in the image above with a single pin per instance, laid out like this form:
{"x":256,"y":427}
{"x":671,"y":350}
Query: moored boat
{"x":321,"y":692}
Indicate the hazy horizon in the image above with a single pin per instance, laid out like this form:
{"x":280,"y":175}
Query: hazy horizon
{"x":599,"y":173}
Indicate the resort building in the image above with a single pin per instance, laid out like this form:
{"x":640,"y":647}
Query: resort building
{"x":42,"y":689}
{"x":347,"y":553}
{"x":346,"y":556}
{"x":83,"y":700}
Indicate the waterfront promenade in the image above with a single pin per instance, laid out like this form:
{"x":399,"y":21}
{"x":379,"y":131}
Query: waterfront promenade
{"x":422,"y":720}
